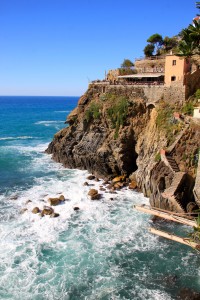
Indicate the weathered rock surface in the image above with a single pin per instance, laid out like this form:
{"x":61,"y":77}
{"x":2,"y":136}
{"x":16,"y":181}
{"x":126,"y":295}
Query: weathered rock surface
{"x":94,"y":194}
{"x":47,"y":211}
{"x":116,"y":134}
{"x":54,"y":215}
{"x":62,"y":198}
{"x":132,"y":185}
{"x":92,"y":144}
{"x":35,"y":210}
{"x":54,"y":201}
{"x":91,"y":177}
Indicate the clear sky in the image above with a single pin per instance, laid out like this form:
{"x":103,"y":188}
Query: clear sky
{"x":54,"y":47}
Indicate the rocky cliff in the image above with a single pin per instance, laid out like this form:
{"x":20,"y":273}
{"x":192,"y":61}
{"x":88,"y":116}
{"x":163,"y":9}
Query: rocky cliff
{"x":119,"y":133}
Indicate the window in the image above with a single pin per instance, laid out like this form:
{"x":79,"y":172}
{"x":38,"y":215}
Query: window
{"x":173,"y":78}
{"x":173,"y":62}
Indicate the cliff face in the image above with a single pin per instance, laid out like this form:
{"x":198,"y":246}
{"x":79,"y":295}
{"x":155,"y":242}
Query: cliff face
{"x":102,"y":134}
{"x":118,"y":133}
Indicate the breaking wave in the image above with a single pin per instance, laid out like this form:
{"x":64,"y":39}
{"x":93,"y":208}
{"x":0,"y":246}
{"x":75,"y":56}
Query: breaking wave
{"x":11,"y":138}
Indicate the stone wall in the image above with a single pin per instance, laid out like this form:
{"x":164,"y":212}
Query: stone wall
{"x":150,"y":93}
{"x":174,"y":93}
{"x":192,"y":82}
{"x":150,"y":65}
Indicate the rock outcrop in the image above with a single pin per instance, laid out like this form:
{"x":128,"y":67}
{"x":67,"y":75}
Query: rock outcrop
{"x":119,"y":134}
{"x":99,"y":139}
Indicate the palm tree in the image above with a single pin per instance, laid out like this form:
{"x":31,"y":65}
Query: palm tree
{"x":194,"y":32}
{"x":190,"y":42}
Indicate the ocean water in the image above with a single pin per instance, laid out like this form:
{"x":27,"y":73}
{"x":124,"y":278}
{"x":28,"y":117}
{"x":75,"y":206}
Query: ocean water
{"x":103,"y":251}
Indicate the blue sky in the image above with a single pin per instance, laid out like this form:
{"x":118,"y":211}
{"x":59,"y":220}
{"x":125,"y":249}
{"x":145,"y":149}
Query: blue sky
{"x":54,"y":47}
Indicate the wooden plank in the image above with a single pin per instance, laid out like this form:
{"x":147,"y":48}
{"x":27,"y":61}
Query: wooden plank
{"x":188,"y":215}
{"x":165,"y":215}
{"x":175,"y":238}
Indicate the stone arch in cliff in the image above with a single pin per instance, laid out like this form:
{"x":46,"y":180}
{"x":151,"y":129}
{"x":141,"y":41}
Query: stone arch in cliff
{"x":150,"y":106}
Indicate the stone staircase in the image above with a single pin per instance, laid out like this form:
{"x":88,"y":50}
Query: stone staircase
{"x":171,"y":192}
{"x":172,"y":163}
{"x":196,"y":190}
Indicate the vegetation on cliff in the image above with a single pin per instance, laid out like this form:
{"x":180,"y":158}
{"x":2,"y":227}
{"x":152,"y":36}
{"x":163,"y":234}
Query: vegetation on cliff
{"x":186,"y":43}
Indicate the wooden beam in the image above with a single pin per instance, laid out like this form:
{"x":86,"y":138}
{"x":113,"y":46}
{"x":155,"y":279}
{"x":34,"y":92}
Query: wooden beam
{"x":175,"y":238}
{"x":165,"y":215}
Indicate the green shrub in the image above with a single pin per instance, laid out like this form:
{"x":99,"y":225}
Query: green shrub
{"x":197,"y":94}
{"x":188,"y":108}
{"x":158,"y":157}
{"x":93,"y":112}
{"x":165,"y":122}
{"x":117,"y":113}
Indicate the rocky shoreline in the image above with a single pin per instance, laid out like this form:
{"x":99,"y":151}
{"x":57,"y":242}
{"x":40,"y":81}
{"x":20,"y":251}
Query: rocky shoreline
{"x":118,"y":134}
{"x":94,"y":193}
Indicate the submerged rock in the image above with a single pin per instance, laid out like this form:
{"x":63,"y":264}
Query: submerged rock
{"x":76,"y":208}
{"x":91,"y":177}
{"x":188,"y":294}
{"x":102,"y":189}
{"x":23,"y":210}
{"x":28,"y":201}
{"x":15,"y":197}
{"x":54,"y":215}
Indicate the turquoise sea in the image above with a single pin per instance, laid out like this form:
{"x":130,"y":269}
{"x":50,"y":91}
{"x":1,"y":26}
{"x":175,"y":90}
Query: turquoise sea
{"x":103,"y":251}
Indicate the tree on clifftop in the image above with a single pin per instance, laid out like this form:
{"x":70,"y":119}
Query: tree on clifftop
{"x":156,"y":40}
{"x":127,"y":63}
{"x":148,"y":50}
{"x":169,"y":43}
{"x":127,"y":67}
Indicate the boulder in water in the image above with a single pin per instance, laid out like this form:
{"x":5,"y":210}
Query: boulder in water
{"x":62,"y":198}
{"x":47,"y":211}
{"x":54,"y":215}
{"x":91,"y":177}
{"x":54,"y":201}
{"x":94,"y":194}
{"x":119,"y":179}
{"x":76,"y":208}
{"x":35,"y":210}
{"x":132,"y":185}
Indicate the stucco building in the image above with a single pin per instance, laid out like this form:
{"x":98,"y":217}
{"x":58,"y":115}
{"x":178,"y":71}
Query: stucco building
{"x":175,"y":69}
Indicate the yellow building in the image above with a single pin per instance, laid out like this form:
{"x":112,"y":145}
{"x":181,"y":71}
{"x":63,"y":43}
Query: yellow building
{"x":175,"y":69}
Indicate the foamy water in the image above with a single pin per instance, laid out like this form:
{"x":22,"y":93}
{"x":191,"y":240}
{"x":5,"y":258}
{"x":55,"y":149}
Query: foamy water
{"x":102,"y":251}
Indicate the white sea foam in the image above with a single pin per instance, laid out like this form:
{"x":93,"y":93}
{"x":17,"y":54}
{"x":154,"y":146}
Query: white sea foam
{"x":48,"y":123}
{"x":16,"y":138}
{"x":55,"y":124}
{"x":45,"y":258}
{"x":62,"y":111}
{"x":26,"y":149}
